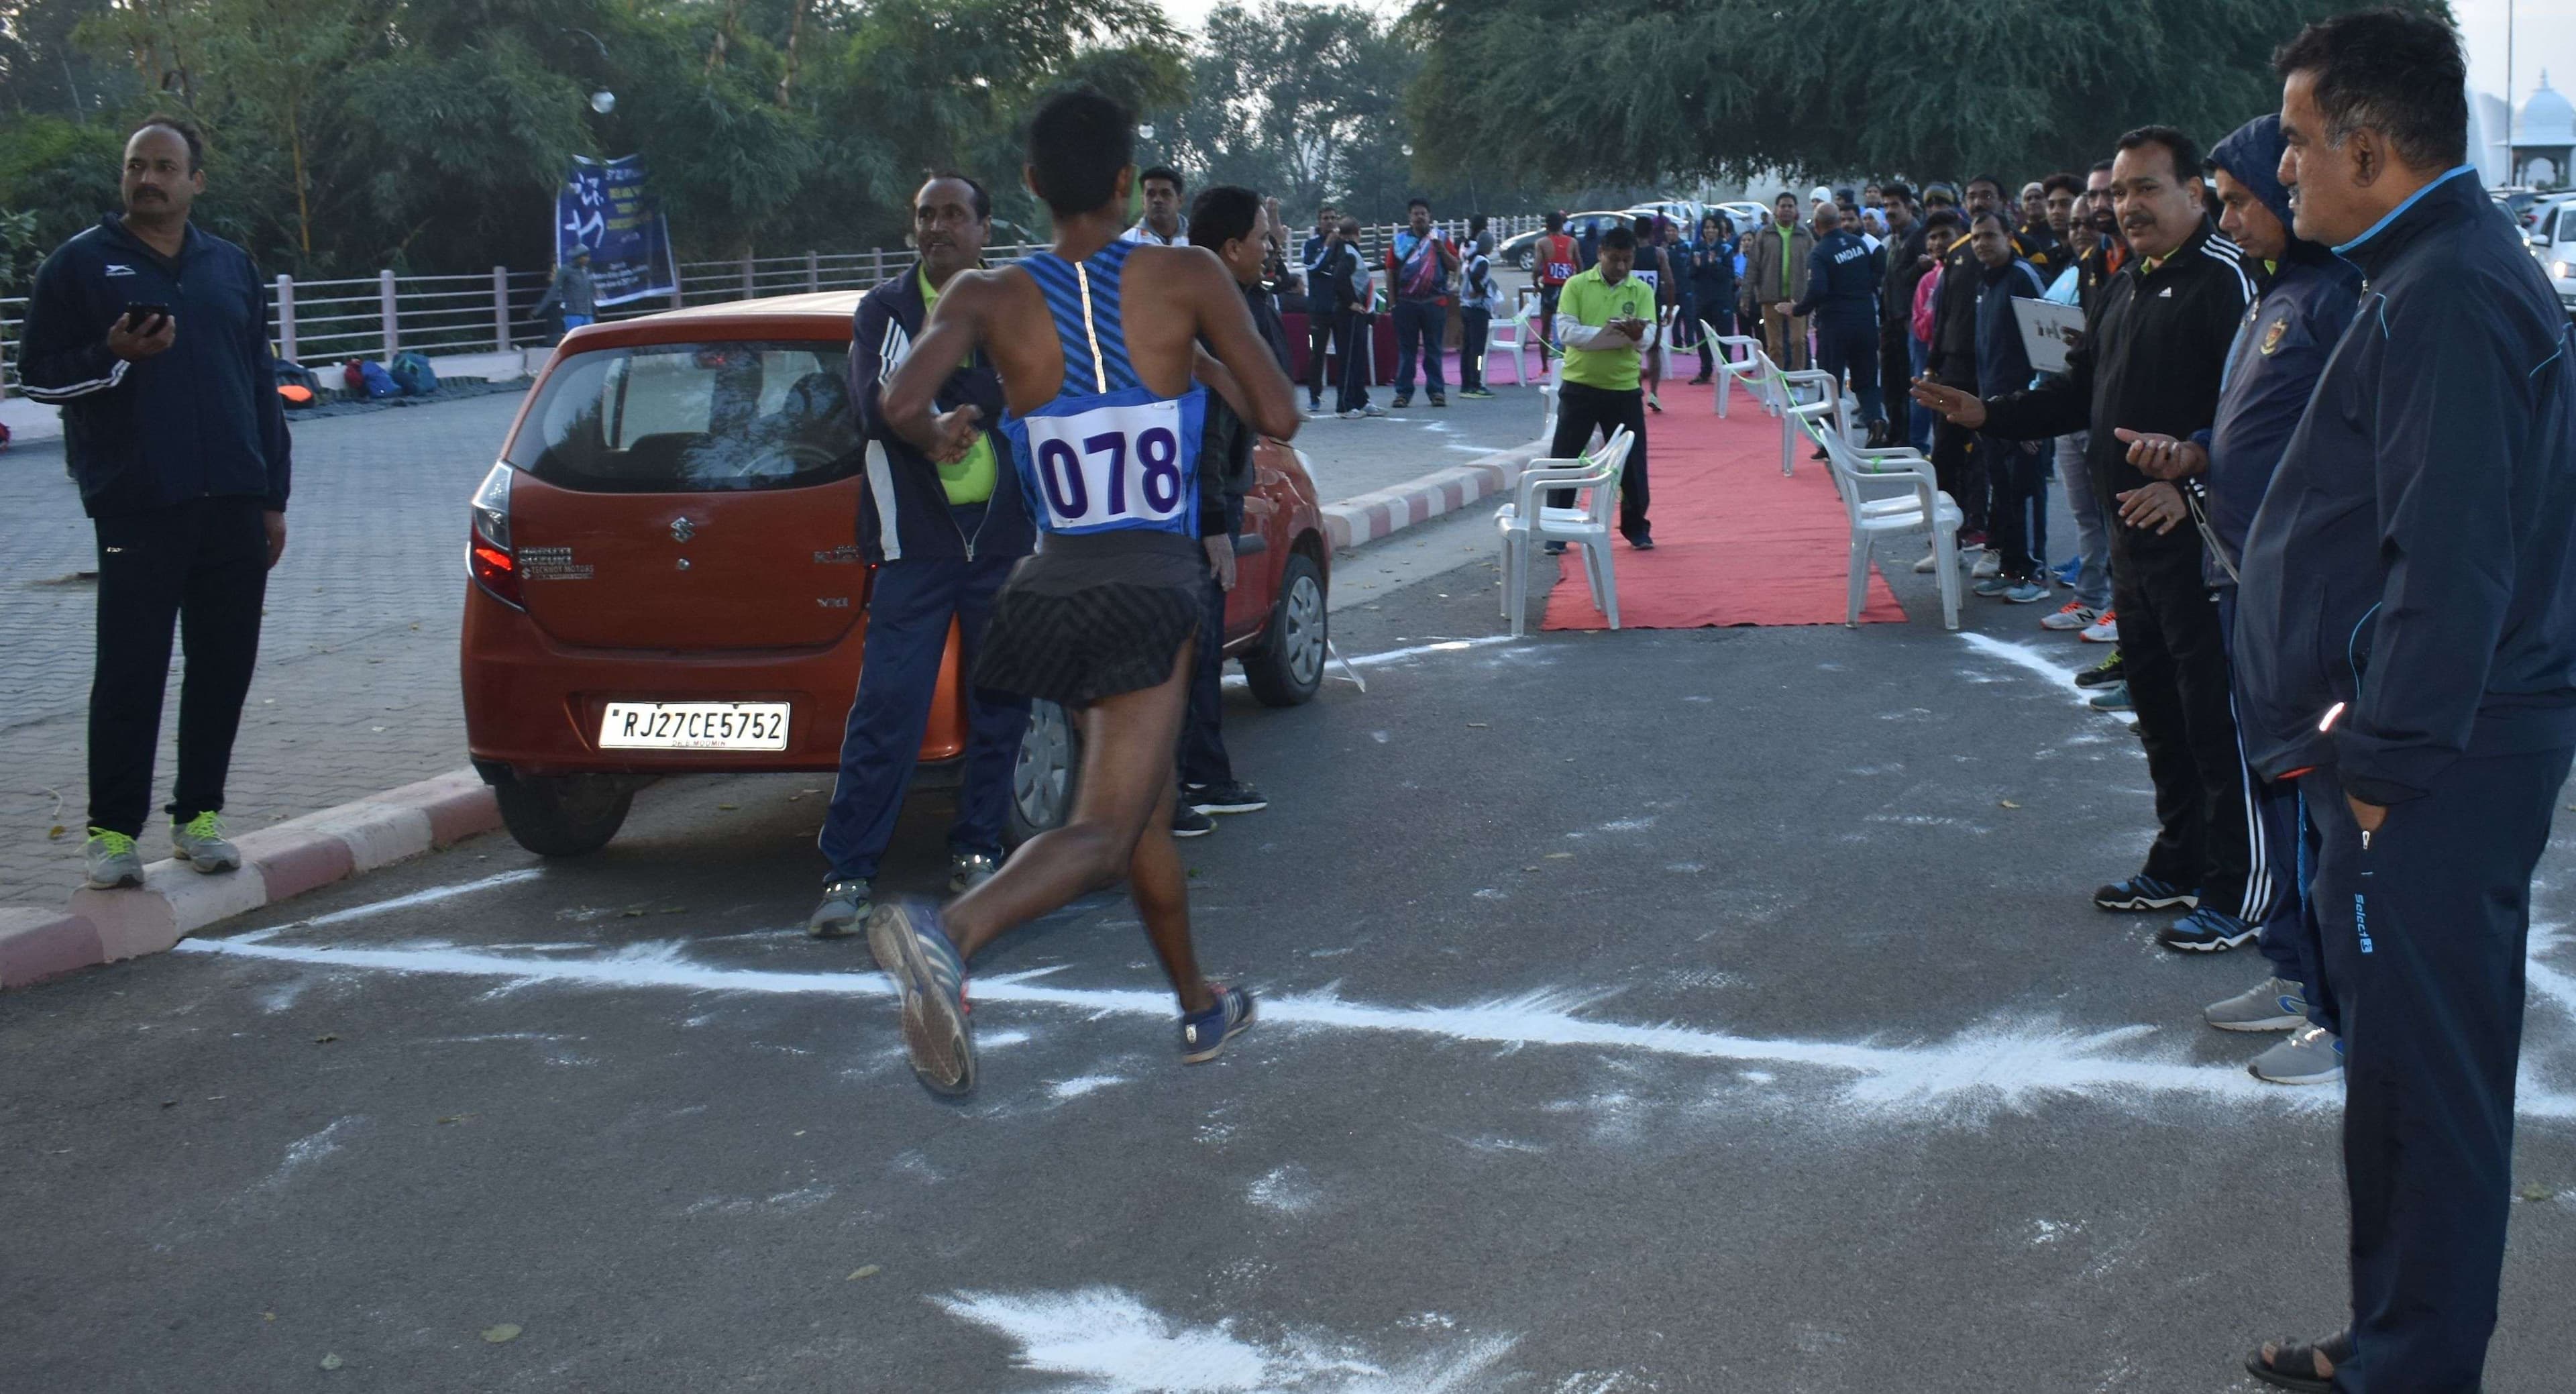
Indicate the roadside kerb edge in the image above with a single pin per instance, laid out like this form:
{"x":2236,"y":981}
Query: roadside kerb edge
{"x":1371,"y":517}
{"x":278,"y":863}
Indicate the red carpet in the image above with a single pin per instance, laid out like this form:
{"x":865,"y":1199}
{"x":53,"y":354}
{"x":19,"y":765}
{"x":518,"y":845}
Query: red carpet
{"x":1735,"y":542}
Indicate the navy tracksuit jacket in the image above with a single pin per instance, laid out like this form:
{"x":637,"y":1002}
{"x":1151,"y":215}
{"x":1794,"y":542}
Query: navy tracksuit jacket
{"x":2271,"y":371}
{"x":935,"y":563}
{"x":2407,"y":635}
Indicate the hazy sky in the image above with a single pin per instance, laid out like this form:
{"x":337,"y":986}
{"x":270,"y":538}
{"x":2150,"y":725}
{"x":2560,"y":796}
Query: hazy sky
{"x":2544,"y":37}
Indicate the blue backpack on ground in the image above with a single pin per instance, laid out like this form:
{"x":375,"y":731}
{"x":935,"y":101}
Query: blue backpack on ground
{"x":379,"y":383}
{"x":413,"y":375}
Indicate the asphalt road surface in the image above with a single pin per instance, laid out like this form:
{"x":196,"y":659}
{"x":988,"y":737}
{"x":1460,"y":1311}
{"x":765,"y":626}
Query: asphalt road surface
{"x":1649,"y":1011}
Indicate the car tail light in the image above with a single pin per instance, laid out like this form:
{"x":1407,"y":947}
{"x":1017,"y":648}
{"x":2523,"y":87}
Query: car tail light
{"x":487,"y":548}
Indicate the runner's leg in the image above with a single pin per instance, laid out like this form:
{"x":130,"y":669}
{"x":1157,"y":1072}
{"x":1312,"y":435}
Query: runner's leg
{"x":1126,"y":776}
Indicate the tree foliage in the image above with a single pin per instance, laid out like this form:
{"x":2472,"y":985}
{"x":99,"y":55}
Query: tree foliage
{"x":1619,"y":89}
{"x":429,"y":135}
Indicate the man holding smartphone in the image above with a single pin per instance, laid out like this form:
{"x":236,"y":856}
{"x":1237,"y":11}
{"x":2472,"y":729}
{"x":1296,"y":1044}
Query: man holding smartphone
{"x":177,"y":438}
{"x":1602,"y":320}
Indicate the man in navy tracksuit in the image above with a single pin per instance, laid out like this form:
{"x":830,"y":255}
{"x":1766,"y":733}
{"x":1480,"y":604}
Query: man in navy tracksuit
{"x":2016,"y":470}
{"x":2407,"y":645}
{"x":172,"y":426}
{"x":2308,"y":298}
{"x":943,"y":538}
{"x":1842,"y":293}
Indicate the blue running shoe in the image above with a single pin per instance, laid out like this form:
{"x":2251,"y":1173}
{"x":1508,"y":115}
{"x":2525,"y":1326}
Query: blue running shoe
{"x":2144,"y":893}
{"x":2113,"y":697}
{"x":1203,"y":1034}
{"x":2069,"y":569}
{"x":2206,"y":930}
{"x":909,"y":944}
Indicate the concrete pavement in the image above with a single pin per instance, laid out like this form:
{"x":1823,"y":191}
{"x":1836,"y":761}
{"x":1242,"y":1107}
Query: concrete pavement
{"x":1711,"y":1010}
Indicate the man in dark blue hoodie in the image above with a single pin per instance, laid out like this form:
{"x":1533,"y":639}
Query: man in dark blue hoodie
{"x":2308,"y":299}
{"x":152,"y":335}
{"x":2016,"y":470}
{"x":942,"y":538}
{"x":2407,"y":645}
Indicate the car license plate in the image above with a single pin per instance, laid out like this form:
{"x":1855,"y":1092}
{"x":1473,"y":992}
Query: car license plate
{"x":694,"y":726}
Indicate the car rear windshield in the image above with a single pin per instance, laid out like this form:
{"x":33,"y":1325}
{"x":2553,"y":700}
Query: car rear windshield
{"x":680,"y":418}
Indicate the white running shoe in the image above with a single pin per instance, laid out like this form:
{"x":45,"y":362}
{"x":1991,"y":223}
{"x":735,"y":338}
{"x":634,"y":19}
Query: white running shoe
{"x":1931,"y":562}
{"x":2074,"y":615}
{"x":2274,"y":1004}
{"x":2311,"y":1055}
{"x":1988,"y":567}
{"x":2105,"y":630}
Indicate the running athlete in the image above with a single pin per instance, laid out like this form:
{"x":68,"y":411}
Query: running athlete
{"x":1096,"y":342}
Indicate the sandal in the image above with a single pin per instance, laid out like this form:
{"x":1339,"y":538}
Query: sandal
{"x":2294,"y":1364}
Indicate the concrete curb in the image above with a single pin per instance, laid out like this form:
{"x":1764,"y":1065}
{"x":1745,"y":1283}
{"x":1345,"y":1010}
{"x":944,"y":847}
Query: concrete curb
{"x":1356,"y":522}
{"x":303,"y":854}
{"x":278,"y":863}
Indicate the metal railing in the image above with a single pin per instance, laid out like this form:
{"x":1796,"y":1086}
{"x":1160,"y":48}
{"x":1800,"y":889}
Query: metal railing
{"x":321,"y":322}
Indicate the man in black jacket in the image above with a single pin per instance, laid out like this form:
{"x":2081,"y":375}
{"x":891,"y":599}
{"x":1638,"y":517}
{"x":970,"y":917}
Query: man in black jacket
{"x":1906,"y":266}
{"x":2152,"y":358}
{"x":2409,"y":655}
{"x":1953,"y":363}
{"x":943,"y":538}
{"x":153,"y":338}
{"x":1227,"y":220}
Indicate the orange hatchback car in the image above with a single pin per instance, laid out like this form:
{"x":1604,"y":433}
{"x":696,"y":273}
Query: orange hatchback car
{"x":666,"y":576}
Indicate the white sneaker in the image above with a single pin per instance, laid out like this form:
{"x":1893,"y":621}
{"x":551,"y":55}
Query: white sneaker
{"x":2311,"y":1055}
{"x":1931,"y":562}
{"x":2105,"y":630}
{"x":2074,"y":615}
{"x":2274,"y":1004}
{"x":1988,"y":567}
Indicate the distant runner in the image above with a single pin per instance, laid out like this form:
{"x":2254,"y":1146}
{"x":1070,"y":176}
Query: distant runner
{"x":1104,"y":421}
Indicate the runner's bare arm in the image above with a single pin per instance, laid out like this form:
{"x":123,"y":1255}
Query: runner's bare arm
{"x":955,"y":327}
{"x":1269,"y":401}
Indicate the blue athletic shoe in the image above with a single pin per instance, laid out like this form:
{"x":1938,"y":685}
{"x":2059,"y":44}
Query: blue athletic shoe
{"x":2069,"y":569}
{"x":2206,"y":931}
{"x":1205,"y":1033}
{"x":2113,"y":698}
{"x":911,"y":947}
{"x":2144,"y":893}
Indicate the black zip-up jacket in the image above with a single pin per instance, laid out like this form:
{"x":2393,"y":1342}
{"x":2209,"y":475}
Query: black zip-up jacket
{"x":2416,"y":555}
{"x":1954,"y":318}
{"x":1896,"y":292}
{"x":1225,"y":443}
{"x":2153,"y":352}
{"x":1842,"y":283}
{"x":198,"y":420}
{"x":903,"y":509}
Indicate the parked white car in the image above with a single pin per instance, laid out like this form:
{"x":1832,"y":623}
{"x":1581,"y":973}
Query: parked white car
{"x":2553,"y":241}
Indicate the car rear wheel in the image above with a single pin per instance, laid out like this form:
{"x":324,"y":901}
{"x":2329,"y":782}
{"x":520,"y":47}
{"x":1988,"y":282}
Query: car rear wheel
{"x":1288,"y":668}
{"x":1045,"y":775}
{"x":569,"y":815}
{"x":1525,"y":258}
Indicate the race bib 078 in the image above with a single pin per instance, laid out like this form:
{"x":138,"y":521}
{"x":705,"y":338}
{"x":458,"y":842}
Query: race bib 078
{"x":1114,"y":465}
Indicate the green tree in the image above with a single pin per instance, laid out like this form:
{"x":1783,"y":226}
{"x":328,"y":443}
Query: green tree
{"x":1648,"y":89}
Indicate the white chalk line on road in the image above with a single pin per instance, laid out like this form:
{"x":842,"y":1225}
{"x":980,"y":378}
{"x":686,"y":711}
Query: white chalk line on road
{"x":400,"y":902}
{"x":2025,"y":657}
{"x":2009,"y":1063}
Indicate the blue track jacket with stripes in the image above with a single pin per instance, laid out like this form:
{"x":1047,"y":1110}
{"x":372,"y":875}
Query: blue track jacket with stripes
{"x":200,"y":420}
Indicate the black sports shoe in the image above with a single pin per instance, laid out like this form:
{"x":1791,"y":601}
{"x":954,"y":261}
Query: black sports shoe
{"x":1232,"y":796}
{"x":2102,"y":674}
{"x":2144,"y":892}
{"x":1642,"y":541}
{"x":2206,"y":930}
{"x":1189,"y":822}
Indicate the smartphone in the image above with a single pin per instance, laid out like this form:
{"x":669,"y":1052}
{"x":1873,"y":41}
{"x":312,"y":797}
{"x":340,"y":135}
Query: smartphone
{"x":139,"y":314}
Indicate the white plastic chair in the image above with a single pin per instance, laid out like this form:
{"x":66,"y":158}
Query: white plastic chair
{"x":1547,"y":413}
{"x":1790,"y":389}
{"x":1885,"y":490}
{"x":1527,"y":522}
{"x":1746,"y":370}
{"x":1520,"y":346}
